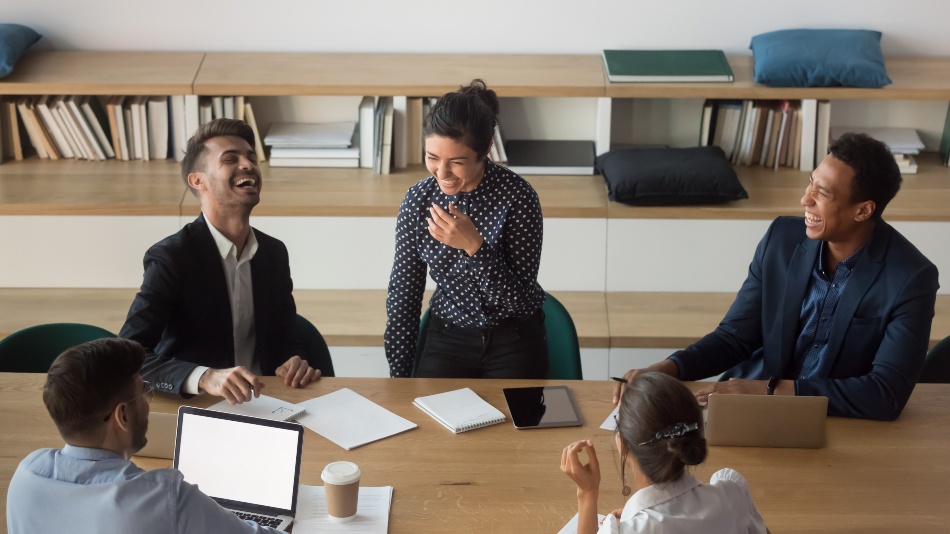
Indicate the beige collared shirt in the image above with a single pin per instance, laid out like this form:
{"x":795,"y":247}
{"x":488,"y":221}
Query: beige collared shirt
{"x":237,"y":275}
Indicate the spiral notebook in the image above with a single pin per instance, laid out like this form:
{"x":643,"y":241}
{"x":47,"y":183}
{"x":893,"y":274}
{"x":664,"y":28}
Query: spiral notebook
{"x":460,"y":410}
{"x":264,"y":407}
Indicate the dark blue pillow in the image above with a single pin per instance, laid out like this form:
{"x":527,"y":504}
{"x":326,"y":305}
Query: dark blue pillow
{"x":819,"y":58}
{"x":670,"y":176}
{"x":14,"y":40}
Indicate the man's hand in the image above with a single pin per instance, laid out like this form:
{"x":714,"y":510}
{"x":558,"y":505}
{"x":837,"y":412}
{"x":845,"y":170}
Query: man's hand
{"x":297,"y":373}
{"x":667,"y":367}
{"x":455,"y":229}
{"x":236,"y":384}
{"x":733,"y":385}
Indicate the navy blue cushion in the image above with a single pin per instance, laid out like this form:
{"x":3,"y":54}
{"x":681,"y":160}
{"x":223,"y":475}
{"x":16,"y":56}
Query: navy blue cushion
{"x":819,"y":58}
{"x":670,"y":176}
{"x":14,"y":40}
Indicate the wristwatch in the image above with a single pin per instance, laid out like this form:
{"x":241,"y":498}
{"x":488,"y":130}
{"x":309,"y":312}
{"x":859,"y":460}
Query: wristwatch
{"x":770,"y":388}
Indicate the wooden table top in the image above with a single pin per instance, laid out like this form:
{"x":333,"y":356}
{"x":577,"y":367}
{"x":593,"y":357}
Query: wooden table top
{"x":871,"y":477}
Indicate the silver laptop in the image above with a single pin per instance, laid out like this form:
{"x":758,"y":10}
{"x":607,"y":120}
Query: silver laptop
{"x":766,"y":421}
{"x":161,"y":436}
{"x":248,"y":465}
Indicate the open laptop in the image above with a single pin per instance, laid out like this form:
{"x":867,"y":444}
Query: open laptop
{"x":162,"y":428}
{"x":766,"y":421}
{"x":248,"y":465}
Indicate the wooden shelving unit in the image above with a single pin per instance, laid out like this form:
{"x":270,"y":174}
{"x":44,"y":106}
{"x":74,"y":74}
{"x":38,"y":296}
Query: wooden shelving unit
{"x":139,"y":188}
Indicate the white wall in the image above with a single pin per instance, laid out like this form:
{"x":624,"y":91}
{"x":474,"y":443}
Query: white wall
{"x":912,"y":27}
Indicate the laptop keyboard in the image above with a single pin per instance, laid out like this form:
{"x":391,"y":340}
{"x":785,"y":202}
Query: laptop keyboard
{"x":262,"y":520}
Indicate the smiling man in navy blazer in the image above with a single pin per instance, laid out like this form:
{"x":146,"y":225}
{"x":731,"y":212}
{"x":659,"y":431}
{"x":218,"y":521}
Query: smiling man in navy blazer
{"x":837,"y":303}
{"x":216,"y":307}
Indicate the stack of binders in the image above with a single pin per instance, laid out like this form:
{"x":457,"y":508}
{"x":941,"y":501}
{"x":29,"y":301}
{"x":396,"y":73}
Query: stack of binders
{"x":326,"y":144}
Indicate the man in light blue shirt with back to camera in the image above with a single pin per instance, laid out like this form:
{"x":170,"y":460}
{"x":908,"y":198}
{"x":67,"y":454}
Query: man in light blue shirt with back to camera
{"x":99,"y":402}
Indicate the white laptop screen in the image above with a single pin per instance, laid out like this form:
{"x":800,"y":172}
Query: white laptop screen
{"x":238,"y":461}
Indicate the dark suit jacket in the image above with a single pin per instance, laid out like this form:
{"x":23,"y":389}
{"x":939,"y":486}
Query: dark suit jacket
{"x":879,"y":335}
{"x":182,"y":313}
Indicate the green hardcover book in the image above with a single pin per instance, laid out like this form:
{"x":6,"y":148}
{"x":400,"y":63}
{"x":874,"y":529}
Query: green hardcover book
{"x":667,"y":66}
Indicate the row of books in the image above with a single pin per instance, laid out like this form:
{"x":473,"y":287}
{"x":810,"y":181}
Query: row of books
{"x":791,"y":133}
{"x":97,"y":128}
{"x":771,"y":133}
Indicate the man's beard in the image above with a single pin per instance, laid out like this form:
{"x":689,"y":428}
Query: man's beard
{"x":139,"y":429}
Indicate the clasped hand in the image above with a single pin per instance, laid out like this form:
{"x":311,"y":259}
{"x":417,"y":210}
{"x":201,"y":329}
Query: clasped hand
{"x":238,"y":385}
{"x":454,"y":229}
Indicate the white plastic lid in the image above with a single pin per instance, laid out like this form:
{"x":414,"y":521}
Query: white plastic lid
{"x":341,"y":473}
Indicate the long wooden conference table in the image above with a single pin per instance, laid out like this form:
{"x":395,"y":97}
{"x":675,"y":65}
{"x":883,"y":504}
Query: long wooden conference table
{"x":872,"y":477}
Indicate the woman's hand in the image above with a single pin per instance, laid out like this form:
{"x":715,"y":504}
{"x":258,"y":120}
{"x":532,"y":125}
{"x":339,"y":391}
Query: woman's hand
{"x":586,"y":476}
{"x":455,"y":229}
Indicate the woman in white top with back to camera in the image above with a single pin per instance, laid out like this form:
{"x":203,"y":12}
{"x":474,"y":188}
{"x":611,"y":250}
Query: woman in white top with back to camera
{"x":659,"y":433}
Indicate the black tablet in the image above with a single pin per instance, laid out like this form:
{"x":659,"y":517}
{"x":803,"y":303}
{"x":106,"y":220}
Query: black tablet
{"x":542,"y":407}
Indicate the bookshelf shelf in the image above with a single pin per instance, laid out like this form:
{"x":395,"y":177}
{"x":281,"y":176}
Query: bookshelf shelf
{"x":103,"y":73}
{"x":510,"y":75}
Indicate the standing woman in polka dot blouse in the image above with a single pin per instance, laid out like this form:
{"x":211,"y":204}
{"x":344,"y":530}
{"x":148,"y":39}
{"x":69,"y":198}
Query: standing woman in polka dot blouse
{"x":477,"y":228}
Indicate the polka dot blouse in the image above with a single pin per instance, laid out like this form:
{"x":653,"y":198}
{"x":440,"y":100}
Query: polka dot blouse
{"x":498,"y":282}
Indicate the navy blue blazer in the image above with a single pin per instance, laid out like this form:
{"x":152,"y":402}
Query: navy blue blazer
{"x":879,"y":335}
{"x":182,"y":313}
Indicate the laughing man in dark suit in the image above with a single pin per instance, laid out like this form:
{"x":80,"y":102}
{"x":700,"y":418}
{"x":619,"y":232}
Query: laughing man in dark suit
{"x":216,"y":307}
{"x":837,"y":303}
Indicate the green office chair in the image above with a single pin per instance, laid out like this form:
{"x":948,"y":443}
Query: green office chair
{"x":318,"y":354}
{"x":564,"y":353}
{"x":937,"y":364}
{"x":33,"y":349}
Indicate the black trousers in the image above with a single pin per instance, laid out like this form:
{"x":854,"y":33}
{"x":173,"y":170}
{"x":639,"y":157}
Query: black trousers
{"x":517,"y":348}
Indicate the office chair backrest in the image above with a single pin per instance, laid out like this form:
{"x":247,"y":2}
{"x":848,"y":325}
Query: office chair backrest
{"x":318,"y":353}
{"x":564,"y":353}
{"x":937,"y":364}
{"x":33,"y":349}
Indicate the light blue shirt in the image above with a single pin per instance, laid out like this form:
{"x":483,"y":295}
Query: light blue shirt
{"x":94,"y":491}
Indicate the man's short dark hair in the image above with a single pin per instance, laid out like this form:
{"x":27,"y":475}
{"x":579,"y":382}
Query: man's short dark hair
{"x":88,"y":380}
{"x":876,"y":175}
{"x":196,"y":149}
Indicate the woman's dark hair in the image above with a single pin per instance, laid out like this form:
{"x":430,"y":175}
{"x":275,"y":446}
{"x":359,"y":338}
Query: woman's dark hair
{"x":196,"y":149}
{"x":88,"y":380}
{"x":876,"y":175}
{"x":467,"y":115}
{"x":651,"y":403}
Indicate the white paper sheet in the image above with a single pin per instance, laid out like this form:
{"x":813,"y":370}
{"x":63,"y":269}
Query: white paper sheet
{"x":372,"y":511}
{"x":610,"y":423}
{"x":569,"y":528}
{"x":350,"y":419}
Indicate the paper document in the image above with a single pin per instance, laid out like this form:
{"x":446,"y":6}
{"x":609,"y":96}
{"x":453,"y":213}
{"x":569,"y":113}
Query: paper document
{"x":264,"y":407}
{"x":372,"y":511}
{"x":611,"y":422}
{"x":569,"y":528}
{"x":350,"y":420}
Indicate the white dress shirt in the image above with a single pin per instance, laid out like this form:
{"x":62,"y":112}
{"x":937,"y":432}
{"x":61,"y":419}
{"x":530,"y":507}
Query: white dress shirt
{"x":94,"y":491}
{"x":237,"y":274}
{"x":687,"y":506}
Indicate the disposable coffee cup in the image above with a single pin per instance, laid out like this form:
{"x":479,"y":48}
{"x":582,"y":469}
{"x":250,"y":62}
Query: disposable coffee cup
{"x":341,"y":480}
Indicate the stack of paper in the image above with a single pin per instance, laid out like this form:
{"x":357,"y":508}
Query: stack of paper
{"x":326,"y":144}
{"x":264,"y":407}
{"x":372,"y":511}
{"x":350,"y":420}
{"x":904,"y":143}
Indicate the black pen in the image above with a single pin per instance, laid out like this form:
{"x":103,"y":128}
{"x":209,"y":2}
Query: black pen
{"x":618,"y":379}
